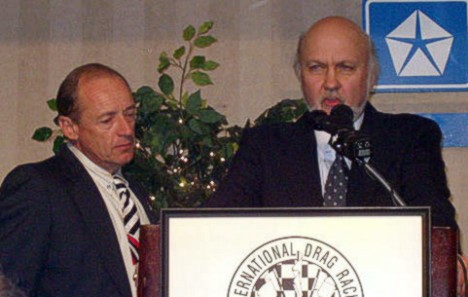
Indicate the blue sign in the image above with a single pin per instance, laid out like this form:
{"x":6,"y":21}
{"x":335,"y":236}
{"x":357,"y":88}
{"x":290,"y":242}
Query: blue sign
{"x":454,"y":128}
{"x":422,"y":45}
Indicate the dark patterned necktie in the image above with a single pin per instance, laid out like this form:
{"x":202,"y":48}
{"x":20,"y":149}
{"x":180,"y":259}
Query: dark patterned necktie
{"x":337,"y":184}
{"x":130,"y":217}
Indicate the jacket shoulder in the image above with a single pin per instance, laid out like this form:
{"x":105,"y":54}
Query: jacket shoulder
{"x":404,"y":123}
{"x":26,"y":175}
{"x":272,"y":133}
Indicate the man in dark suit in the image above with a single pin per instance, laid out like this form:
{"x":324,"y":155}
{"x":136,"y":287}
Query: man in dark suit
{"x":69,"y":226}
{"x":287,"y":165}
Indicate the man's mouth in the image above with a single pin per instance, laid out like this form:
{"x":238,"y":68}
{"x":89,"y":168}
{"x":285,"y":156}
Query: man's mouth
{"x":329,"y":102}
{"x":125,"y":146}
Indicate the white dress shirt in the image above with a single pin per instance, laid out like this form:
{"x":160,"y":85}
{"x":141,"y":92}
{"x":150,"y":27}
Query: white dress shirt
{"x":326,"y":154}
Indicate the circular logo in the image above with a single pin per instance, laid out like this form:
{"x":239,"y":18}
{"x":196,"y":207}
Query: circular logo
{"x":295,"y":267}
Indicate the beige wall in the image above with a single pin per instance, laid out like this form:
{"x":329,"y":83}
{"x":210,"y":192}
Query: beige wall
{"x":42,"y":40}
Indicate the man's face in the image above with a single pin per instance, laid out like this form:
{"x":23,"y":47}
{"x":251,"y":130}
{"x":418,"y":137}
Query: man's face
{"x":335,"y":67}
{"x":105,"y":131}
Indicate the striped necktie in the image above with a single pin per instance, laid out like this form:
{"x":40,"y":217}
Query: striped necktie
{"x":130,"y":217}
{"x":336,"y":187}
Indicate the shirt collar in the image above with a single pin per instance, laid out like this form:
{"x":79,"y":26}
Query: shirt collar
{"x":92,"y":167}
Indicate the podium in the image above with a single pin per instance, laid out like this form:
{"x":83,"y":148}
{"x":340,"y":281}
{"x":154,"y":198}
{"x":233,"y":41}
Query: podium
{"x":443,"y":262}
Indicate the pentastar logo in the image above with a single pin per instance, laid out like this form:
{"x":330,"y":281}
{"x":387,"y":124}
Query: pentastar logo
{"x":295,"y":267}
{"x":419,"y":46}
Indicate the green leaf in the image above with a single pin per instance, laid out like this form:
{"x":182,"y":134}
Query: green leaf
{"x":164,"y":62}
{"x":143,"y":92}
{"x":201,"y":78}
{"x":204,"y":41}
{"x":161,"y":134}
{"x":151,"y":103}
{"x":173,"y":104}
{"x":189,"y":33}
{"x":194,"y":103}
{"x":210,"y":116}
{"x":42,"y":134}
{"x":205,"y":27}
{"x":178,"y":53}
{"x":186,"y":134}
{"x":52,"y":103}
{"x":228,"y":150}
{"x":197,"y":62}
{"x":207,"y":141}
{"x":235,"y":148}
{"x":185,"y":98}
{"x":210,"y":65}
{"x":288,"y":110}
{"x":198,"y":127}
{"x":58,"y":143}
{"x":166,"y":84}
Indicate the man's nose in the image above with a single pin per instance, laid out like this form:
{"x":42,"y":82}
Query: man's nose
{"x":125,"y":126}
{"x":331,"y":82}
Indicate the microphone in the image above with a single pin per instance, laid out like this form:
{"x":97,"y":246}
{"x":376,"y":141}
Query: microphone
{"x":342,"y":117}
{"x":338,"y":119}
{"x":345,"y":140}
{"x":350,"y":143}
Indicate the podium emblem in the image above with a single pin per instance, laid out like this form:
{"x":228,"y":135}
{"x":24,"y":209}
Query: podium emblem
{"x":295,"y":267}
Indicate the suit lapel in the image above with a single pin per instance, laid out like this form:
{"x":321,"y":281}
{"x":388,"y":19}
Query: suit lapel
{"x":361,"y":188}
{"x":94,"y":213}
{"x":303,"y":152}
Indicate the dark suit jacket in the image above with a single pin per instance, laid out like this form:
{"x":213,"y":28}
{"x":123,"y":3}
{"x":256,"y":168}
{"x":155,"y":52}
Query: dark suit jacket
{"x":56,"y":236}
{"x":277,"y":166}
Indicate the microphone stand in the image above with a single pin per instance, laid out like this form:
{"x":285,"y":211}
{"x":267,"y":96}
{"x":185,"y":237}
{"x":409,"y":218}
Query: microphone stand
{"x":373,"y":173}
{"x":355,"y":146}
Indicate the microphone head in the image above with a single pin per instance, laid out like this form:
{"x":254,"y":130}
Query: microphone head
{"x":342,"y":115}
{"x":319,"y":120}
{"x":316,"y":118}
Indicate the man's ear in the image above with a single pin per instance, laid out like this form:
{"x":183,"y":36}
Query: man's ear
{"x":69,"y":128}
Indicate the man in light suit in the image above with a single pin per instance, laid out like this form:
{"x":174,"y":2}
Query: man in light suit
{"x":62,"y":231}
{"x":286,"y":165}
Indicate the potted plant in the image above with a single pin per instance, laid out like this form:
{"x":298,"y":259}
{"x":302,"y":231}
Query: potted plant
{"x":184,"y":146}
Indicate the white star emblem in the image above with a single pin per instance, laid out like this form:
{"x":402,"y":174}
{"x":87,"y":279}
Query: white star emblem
{"x":419,"y":46}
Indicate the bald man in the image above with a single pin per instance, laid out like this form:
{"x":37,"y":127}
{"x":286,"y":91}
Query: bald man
{"x":286,"y":165}
{"x":69,"y":225}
